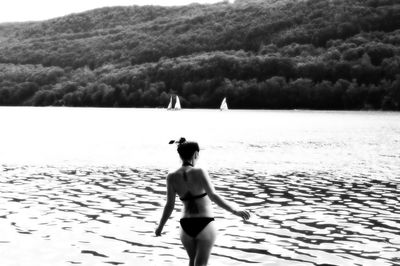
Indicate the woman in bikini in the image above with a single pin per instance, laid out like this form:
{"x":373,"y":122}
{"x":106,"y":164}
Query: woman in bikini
{"x":195,"y":190}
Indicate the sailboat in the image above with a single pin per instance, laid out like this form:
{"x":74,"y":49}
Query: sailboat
{"x":170,"y":104}
{"x":224,"y":105}
{"x":177,"y":104}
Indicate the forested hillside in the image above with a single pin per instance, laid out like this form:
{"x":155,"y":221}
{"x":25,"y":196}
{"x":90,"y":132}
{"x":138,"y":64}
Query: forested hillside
{"x":316,"y":54}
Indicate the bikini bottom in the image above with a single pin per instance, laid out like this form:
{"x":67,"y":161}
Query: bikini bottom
{"x":194,"y":225}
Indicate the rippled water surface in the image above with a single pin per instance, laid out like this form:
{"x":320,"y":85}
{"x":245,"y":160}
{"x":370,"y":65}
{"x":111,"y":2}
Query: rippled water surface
{"x":87,"y":186}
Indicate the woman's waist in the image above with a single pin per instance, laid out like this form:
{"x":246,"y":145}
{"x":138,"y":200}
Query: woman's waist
{"x":205,"y":213}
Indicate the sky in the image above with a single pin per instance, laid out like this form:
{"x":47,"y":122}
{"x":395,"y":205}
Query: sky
{"x":34,"y":10}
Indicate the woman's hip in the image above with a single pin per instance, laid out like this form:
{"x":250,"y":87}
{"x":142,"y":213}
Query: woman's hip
{"x":198,"y":227}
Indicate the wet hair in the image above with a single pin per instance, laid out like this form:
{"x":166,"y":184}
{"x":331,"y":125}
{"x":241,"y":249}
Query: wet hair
{"x":186,"y":149}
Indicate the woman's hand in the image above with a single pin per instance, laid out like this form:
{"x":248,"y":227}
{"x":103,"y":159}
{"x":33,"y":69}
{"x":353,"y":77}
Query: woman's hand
{"x":158,"y":231}
{"x":245,"y":215}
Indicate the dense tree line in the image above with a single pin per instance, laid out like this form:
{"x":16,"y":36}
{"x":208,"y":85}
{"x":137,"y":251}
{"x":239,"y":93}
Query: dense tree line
{"x":315,"y":54}
{"x":145,"y":34}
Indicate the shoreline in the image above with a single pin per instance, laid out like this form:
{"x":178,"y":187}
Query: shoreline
{"x":199,"y":109}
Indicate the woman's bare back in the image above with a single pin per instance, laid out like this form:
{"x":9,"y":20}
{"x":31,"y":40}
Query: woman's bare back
{"x":187,"y":182}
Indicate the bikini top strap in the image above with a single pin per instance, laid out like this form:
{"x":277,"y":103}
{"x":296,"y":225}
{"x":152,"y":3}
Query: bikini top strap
{"x":189,"y":197}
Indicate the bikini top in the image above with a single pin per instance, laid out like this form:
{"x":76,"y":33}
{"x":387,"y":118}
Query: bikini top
{"x":189,"y":197}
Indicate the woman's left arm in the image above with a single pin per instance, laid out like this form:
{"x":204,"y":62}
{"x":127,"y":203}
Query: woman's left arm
{"x":169,"y":206}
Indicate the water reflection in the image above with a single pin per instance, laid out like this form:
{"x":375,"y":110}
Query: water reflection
{"x":105,"y":215}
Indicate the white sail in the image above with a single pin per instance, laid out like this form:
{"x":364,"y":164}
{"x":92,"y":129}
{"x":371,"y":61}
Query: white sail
{"x":170,"y":104}
{"x":224,"y":105}
{"x":177,"y":104}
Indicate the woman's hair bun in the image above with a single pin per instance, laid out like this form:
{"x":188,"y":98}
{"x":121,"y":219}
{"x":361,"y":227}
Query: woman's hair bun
{"x":180,"y":141}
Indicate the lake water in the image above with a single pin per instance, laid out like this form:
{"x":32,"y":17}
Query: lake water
{"x":86,"y":186}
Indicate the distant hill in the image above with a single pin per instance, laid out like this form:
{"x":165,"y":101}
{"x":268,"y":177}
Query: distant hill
{"x":318,"y":54}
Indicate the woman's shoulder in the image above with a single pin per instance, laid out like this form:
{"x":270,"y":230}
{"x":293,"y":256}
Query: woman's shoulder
{"x":174,"y":173}
{"x":192,"y":170}
{"x":199,"y":171}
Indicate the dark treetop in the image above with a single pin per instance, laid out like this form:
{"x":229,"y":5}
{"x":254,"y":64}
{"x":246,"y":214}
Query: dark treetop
{"x":316,"y":54}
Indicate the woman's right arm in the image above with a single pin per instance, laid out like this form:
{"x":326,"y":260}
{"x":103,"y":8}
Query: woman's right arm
{"x":169,"y":206}
{"x":212,"y":194}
